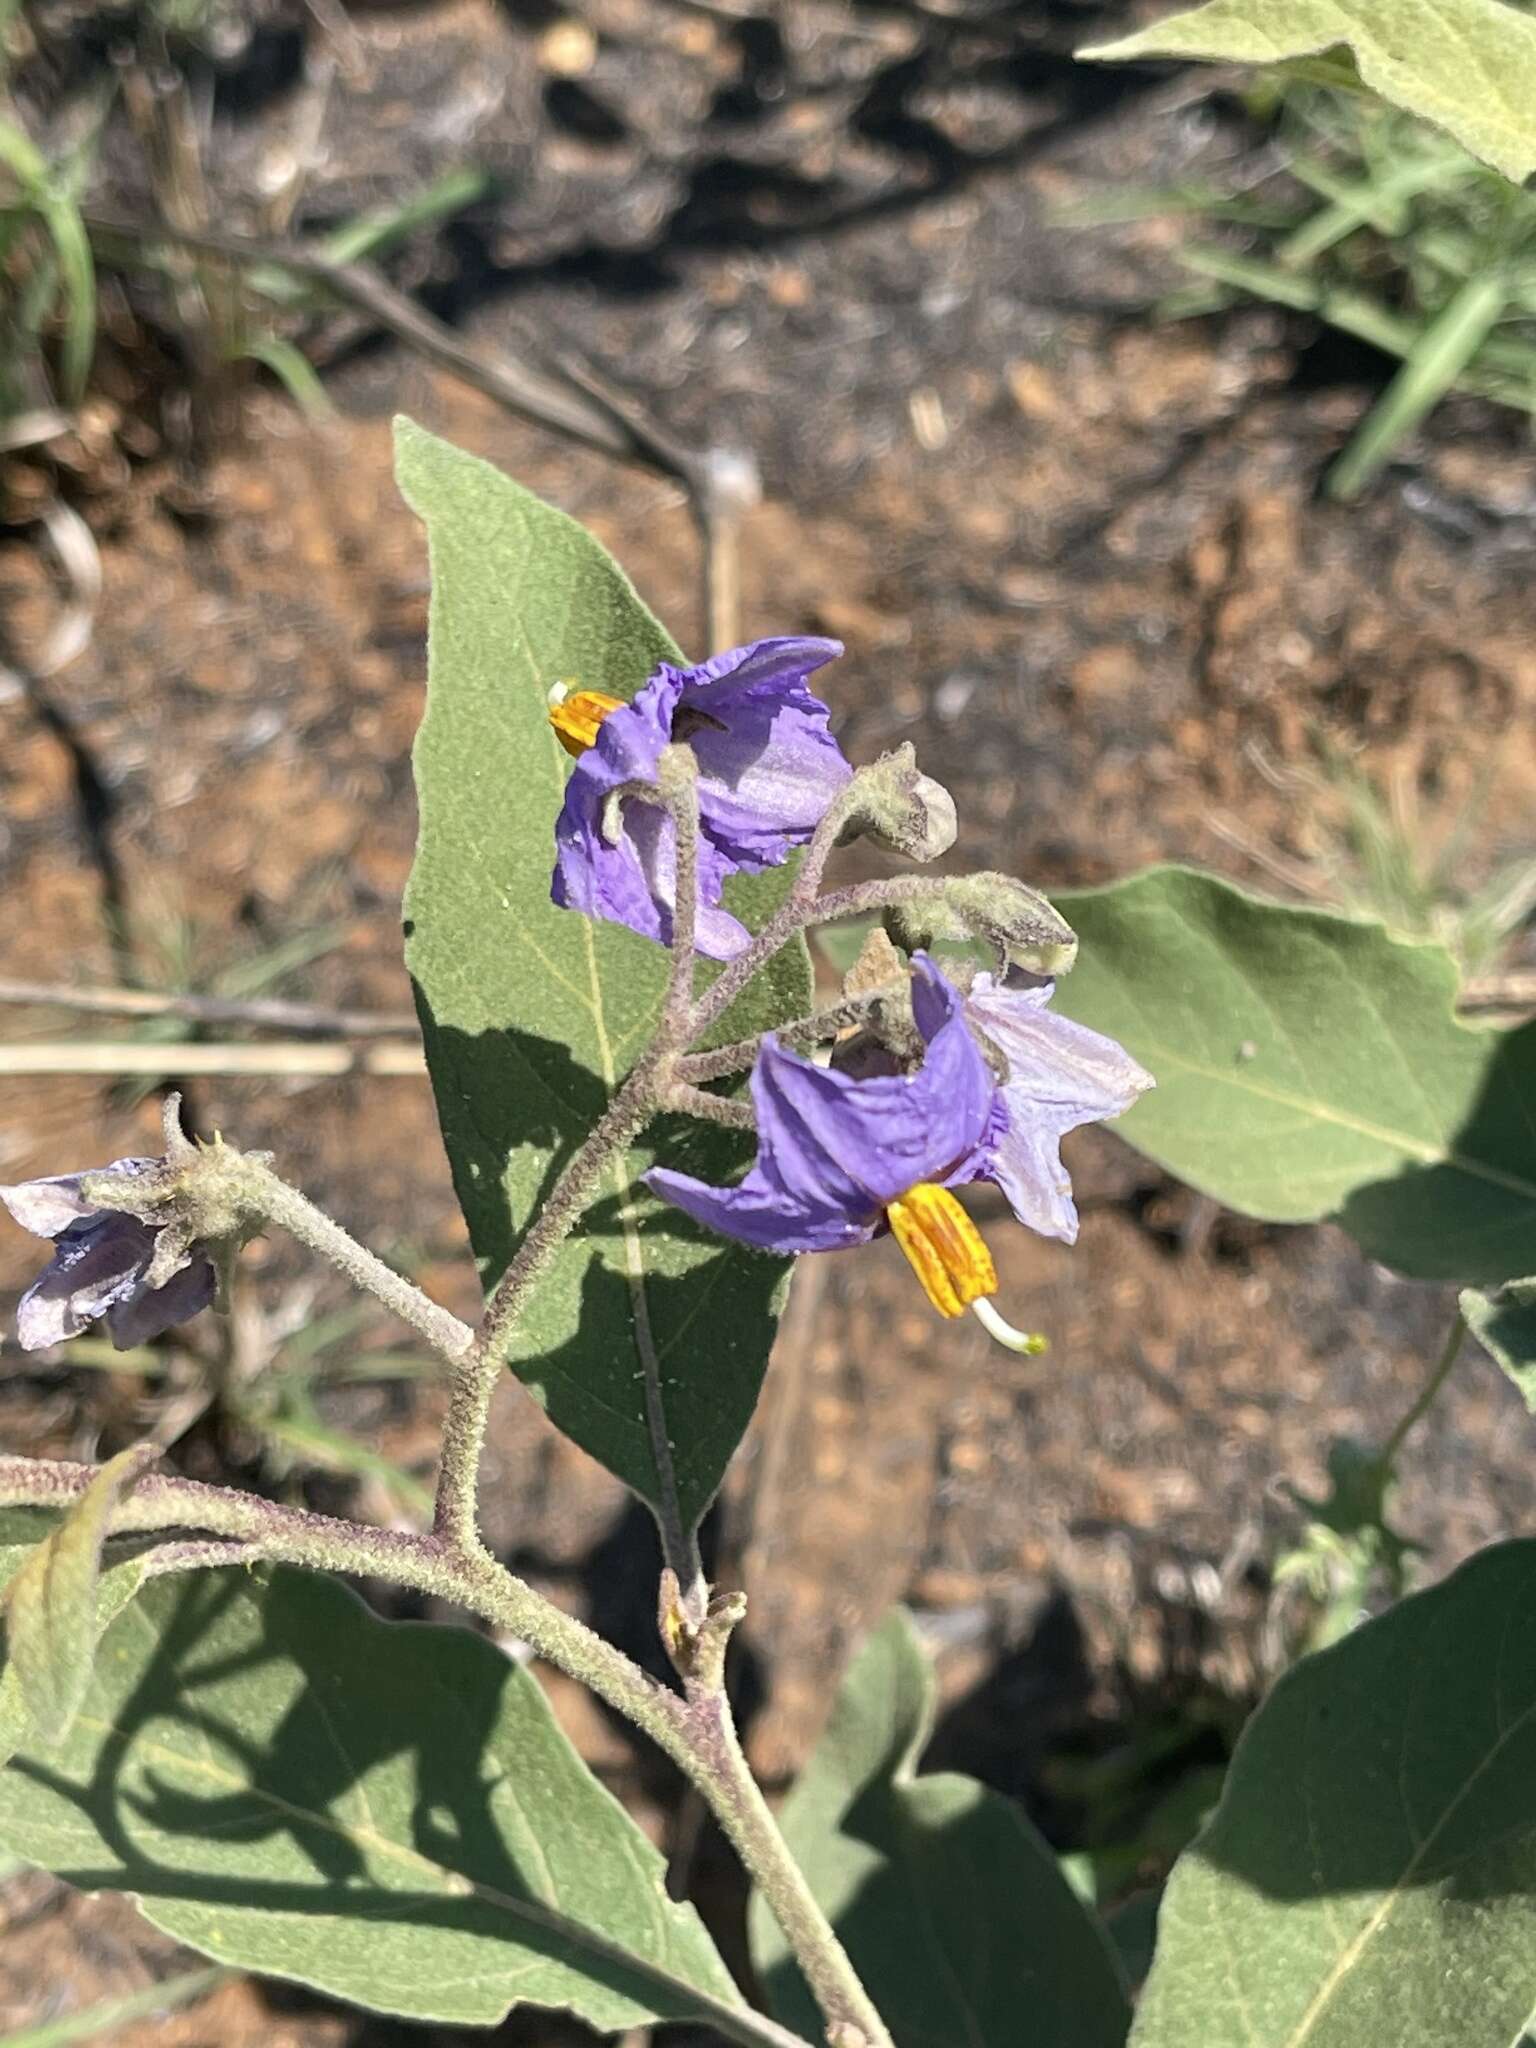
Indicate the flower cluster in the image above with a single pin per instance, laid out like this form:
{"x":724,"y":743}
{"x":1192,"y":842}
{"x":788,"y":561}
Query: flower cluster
{"x":926,"y":1082}
{"x":991,"y":1079}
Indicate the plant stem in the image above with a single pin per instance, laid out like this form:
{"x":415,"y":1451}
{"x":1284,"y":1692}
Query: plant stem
{"x":295,"y":1213}
{"x":1425,"y":1399}
{"x":697,"y":1733}
{"x":478,"y":1370}
{"x":678,"y":780}
{"x":426,"y":1564}
{"x":744,"y":1814}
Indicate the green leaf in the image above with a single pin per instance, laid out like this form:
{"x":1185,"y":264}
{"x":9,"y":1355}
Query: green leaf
{"x":1310,"y":1066}
{"x":1444,"y":350}
{"x":1368,"y":1874}
{"x":1503,"y":1320}
{"x":51,"y":1618}
{"x":531,"y":1014}
{"x":385,"y":1811}
{"x":954,"y":1912}
{"x":1467,"y":65}
{"x":22,"y":1532}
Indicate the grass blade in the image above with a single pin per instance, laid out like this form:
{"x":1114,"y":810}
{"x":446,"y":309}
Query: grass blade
{"x":1436,"y":360}
{"x":119,"y":2012}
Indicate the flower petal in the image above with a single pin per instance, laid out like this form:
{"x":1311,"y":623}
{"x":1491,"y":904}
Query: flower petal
{"x":49,"y":1206}
{"x":147,"y":1311}
{"x":98,"y":1263}
{"x":768,"y":765}
{"x":834,"y":1151}
{"x":633,"y":881}
{"x":760,"y":1212}
{"x":1060,"y":1075}
{"x":768,"y":768}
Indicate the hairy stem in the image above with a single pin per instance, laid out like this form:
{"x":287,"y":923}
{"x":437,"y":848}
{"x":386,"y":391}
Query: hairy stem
{"x":735,"y":1114}
{"x":696,"y":1732}
{"x":810,"y":1030}
{"x":295,"y":1213}
{"x":276,"y":1534}
{"x":678,"y":780}
{"x":744,"y":1814}
{"x":479,"y":1368}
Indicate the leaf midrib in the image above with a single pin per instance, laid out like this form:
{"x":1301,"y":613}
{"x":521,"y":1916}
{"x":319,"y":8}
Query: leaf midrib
{"x":1397,"y":1141}
{"x":454,"y":1884}
{"x":1350,"y":1954}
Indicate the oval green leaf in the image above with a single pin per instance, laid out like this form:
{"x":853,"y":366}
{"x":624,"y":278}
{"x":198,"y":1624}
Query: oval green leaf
{"x":954,"y":1912}
{"x":1311,"y":1066}
{"x":386,"y":1811}
{"x":532,"y":1014}
{"x":1467,"y":65}
{"x":1369,"y":1871}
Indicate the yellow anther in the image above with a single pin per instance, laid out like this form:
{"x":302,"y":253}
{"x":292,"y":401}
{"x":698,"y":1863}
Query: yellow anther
{"x":945,"y":1248}
{"x":576,"y":715}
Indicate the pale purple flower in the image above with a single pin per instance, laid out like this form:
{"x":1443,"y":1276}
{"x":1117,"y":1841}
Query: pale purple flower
{"x":1060,"y":1075}
{"x":101,"y":1265}
{"x":768,"y":770}
{"x":833,"y":1152}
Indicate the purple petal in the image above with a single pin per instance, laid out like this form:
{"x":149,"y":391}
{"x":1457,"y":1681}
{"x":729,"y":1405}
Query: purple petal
{"x":49,"y":1206}
{"x":761,"y":1213}
{"x":768,"y":768}
{"x":1060,"y":1075}
{"x":145,"y":1312}
{"x":633,"y":881}
{"x":834,"y":1151}
{"x":98,"y":1264}
{"x":768,"y":765}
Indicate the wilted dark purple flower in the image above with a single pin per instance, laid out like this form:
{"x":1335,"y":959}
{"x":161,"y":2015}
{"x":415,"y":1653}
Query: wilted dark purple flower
{"x":105,"y":1263}
{"x":768,"y":770}
{"x":1060,"y":1075}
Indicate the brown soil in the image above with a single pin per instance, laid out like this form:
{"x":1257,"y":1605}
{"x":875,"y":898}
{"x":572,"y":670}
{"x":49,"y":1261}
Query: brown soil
{"x":1079,"y":558}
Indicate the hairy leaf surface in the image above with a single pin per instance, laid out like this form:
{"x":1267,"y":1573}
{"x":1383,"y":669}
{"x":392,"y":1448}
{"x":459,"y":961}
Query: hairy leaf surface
{"x":1370,"y":1871}
{"x":532,"y":1014}
{"x":1467,"y":65}
{"x":1310,"y":1066}
{"x":953,"y":1910}
{"x":384,"y":1810}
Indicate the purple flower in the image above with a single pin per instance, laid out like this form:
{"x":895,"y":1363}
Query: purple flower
{"x":833,"y":1152}
{"x":105,"y":1263}
{"x":841,"y":1159}
{"x":768,"y":770}
{"x":1060,"y":1075}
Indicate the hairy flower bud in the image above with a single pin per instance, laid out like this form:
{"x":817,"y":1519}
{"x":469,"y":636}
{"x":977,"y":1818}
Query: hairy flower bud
{"x":1016,"y":921}
{"x":901,"y":809}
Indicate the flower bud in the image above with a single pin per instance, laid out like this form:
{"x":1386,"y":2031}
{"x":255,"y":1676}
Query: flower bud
{"x":901,"y":809}
{"x":1014,"y":920}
